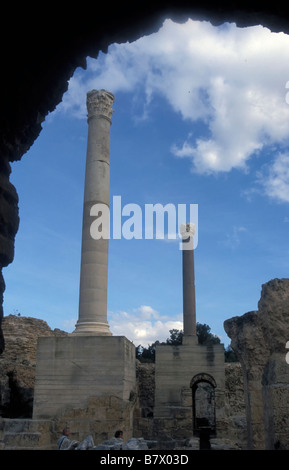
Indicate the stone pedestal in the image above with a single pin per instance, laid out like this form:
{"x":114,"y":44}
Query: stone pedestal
{"x":179,"y":370}
{"x":86,"y":377}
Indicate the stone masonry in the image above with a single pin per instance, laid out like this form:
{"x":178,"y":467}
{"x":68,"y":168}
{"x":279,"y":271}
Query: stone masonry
{"x":19,"y":361}
{"x":259,"y":339}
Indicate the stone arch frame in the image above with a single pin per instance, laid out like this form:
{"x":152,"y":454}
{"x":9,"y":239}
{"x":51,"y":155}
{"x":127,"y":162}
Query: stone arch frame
{"x":203,"y":377}
{"x":209,"y":379}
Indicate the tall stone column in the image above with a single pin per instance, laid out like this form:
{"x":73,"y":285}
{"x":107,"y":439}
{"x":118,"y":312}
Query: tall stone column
{"x":189,"y":296}
{"x":92,"y":318}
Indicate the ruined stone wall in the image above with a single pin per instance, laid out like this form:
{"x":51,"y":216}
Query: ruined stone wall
{"x":18,"y":362}
{"x":233,"y":427}
{"x":17,"y":378}
{"x":234,"y":424}
{"x":259,"y":339}
{"x":177,"y":366}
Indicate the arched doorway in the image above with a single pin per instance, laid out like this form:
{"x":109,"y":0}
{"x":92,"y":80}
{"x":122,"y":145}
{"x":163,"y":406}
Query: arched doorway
{"x":203,"y":399}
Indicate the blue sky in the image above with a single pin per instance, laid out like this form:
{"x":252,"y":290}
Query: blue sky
{"x":200,"y":117}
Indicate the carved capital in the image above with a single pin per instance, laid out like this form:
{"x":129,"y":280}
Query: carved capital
{"x":187,"y":230}
{"x":99,"y":104}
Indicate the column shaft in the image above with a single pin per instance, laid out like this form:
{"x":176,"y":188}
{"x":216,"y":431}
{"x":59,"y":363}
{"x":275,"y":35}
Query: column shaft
{"x":94,"y":253}
{"x":189,"y":295}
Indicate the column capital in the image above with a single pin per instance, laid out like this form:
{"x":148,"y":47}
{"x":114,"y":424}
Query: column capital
{"x":99,"y":104}
{"x":187,"y":230}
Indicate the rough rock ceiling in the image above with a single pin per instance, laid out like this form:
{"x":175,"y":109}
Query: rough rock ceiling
{"x":42,"y":46}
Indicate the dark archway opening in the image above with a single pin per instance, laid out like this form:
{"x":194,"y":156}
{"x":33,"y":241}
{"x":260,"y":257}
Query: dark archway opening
{"x":204,"y":412}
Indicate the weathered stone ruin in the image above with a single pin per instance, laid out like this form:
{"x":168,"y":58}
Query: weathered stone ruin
{"x":18,"y":362}
{"x":255,"y":412}
{"x":19,"y":430}
{"x":259,"y":339}
{"x":32,"y":87}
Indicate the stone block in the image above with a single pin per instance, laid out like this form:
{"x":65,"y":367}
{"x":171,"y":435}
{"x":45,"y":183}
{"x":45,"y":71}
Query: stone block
{"x":177,"y":368}
{"x":22,"y":440}
{"x":71,"y":371}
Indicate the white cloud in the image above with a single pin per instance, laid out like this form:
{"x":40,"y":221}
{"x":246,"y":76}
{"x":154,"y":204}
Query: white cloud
{"x":143,"y":326}
{"x":275,"y":178}
{"x":147,"y":312}
{"x":232,"y":79}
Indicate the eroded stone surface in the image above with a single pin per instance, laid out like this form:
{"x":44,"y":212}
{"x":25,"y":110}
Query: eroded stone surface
{"x":259,"y":339}
{"x":17,"y":364}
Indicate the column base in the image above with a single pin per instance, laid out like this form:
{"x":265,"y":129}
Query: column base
{"x":92,"y":328}
{"x":190,"y":339}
